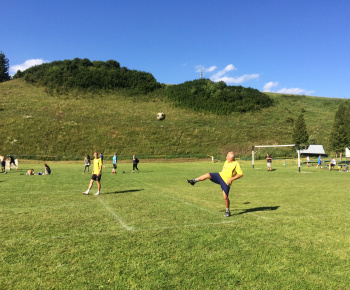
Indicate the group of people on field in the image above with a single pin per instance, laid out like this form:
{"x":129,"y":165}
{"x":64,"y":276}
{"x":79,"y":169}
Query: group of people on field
{"x":11,"y":160}
{"x":231,"y":171}
{"x":97,"y":169}
{"x":332,"y":163}
{"x":47,"y":171}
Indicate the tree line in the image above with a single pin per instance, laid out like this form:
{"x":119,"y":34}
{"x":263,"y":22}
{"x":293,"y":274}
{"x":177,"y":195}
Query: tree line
{"x":89,"y":75}
{"x":339,"y":137}
{"x":204,"y":95}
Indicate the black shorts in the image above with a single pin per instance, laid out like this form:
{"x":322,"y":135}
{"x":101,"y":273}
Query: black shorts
{"x":115,"y":166}
{"x":96,"y":177}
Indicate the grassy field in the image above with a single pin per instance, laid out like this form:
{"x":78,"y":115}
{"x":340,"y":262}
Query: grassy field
{"x":150,"y":230}
{"x":37,"y":123}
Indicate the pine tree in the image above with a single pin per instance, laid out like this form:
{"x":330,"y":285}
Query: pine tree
{"x":338,"y":138}
{"x":300,"y":135}
{"x":4,"y":68}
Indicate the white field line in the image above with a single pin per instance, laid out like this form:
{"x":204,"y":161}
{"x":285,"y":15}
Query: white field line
{"x":119,"y":220}
{"x":145,"y":229}
{"x":107,"y":233}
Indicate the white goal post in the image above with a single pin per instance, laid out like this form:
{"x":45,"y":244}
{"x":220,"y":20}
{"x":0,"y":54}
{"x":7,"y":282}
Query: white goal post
{"x":269,"y":146}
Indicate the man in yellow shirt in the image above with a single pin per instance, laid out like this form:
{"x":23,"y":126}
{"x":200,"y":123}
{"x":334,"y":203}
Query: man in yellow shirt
{"x":230,"y":172}
{"x":96,"y":175}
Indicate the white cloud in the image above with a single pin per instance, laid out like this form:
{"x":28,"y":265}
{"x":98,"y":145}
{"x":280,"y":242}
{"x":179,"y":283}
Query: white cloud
{"x":200,"y":68}
{"x":268,"y":86}
{"x":223,"y":76}
{"x":234,"y":80}
{"x":27,"y":64}
{"x":229,"y":67}
{"x":219,"y":76}
{"x":210,"y":69}
{"x":295,"y":91}
{"x":292,"y":91}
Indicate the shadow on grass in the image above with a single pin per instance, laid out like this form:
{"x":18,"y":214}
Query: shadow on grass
{"x":124,"y":191}
{"x":255,"y":209}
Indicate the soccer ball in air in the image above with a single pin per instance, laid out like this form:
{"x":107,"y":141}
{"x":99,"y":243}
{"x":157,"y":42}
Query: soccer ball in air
{"x":160,"y":116}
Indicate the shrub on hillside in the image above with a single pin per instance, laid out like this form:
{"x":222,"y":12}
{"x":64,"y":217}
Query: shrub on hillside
{"x":204,"y":95}
{"x":84,"y":74}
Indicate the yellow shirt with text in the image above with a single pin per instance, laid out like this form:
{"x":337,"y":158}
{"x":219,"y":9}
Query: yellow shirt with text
{"x":230,"y":170}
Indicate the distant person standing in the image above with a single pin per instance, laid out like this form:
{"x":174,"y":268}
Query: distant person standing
{"x":135,"y":163}
{"x":3,"y":164}
{"x":101,"y":157}
{"x":308,"y":161}
{"x":12,"y":161}
{"x":115,"y":161}
{"x":96,"y":175}
{"x":319,"y":162}
{"x":87,"y":163}
{"x":269,"y":162}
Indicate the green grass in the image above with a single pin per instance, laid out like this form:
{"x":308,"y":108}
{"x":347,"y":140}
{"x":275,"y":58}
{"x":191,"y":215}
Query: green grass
{"x":150,"y":230}
{"x":37,"y":123}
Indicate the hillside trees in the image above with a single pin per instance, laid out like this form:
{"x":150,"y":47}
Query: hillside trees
{"x":89,"y":75}
{"x":204,"y":95}
{"x":4,"y":68}
{"x":340,"y":134}
{"x":300,"y":134}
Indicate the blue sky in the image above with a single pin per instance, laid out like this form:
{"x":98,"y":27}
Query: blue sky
{"x":296,"y":47}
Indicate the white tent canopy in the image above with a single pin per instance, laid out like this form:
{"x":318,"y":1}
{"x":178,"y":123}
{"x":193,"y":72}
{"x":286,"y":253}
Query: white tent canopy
{"x":313,"y":149}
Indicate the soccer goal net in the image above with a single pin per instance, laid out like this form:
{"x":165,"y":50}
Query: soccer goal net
{"x":270,"y":146}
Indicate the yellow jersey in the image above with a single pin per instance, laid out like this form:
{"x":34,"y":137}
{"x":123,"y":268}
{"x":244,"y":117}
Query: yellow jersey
{"x":97,"y":166}
{"x":230,"y":170}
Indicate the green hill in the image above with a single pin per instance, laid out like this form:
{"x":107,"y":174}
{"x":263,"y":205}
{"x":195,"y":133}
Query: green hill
{"x":35,"y":121}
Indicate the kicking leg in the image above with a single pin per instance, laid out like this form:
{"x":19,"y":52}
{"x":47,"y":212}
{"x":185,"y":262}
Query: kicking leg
{"x":200,"y":178}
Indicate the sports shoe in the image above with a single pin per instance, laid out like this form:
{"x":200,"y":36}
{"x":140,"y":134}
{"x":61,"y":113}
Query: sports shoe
{"x":97,"y":193}
{"x":85,"y":192}
{"x":227,"y":213}
{"x":191,"y":181}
